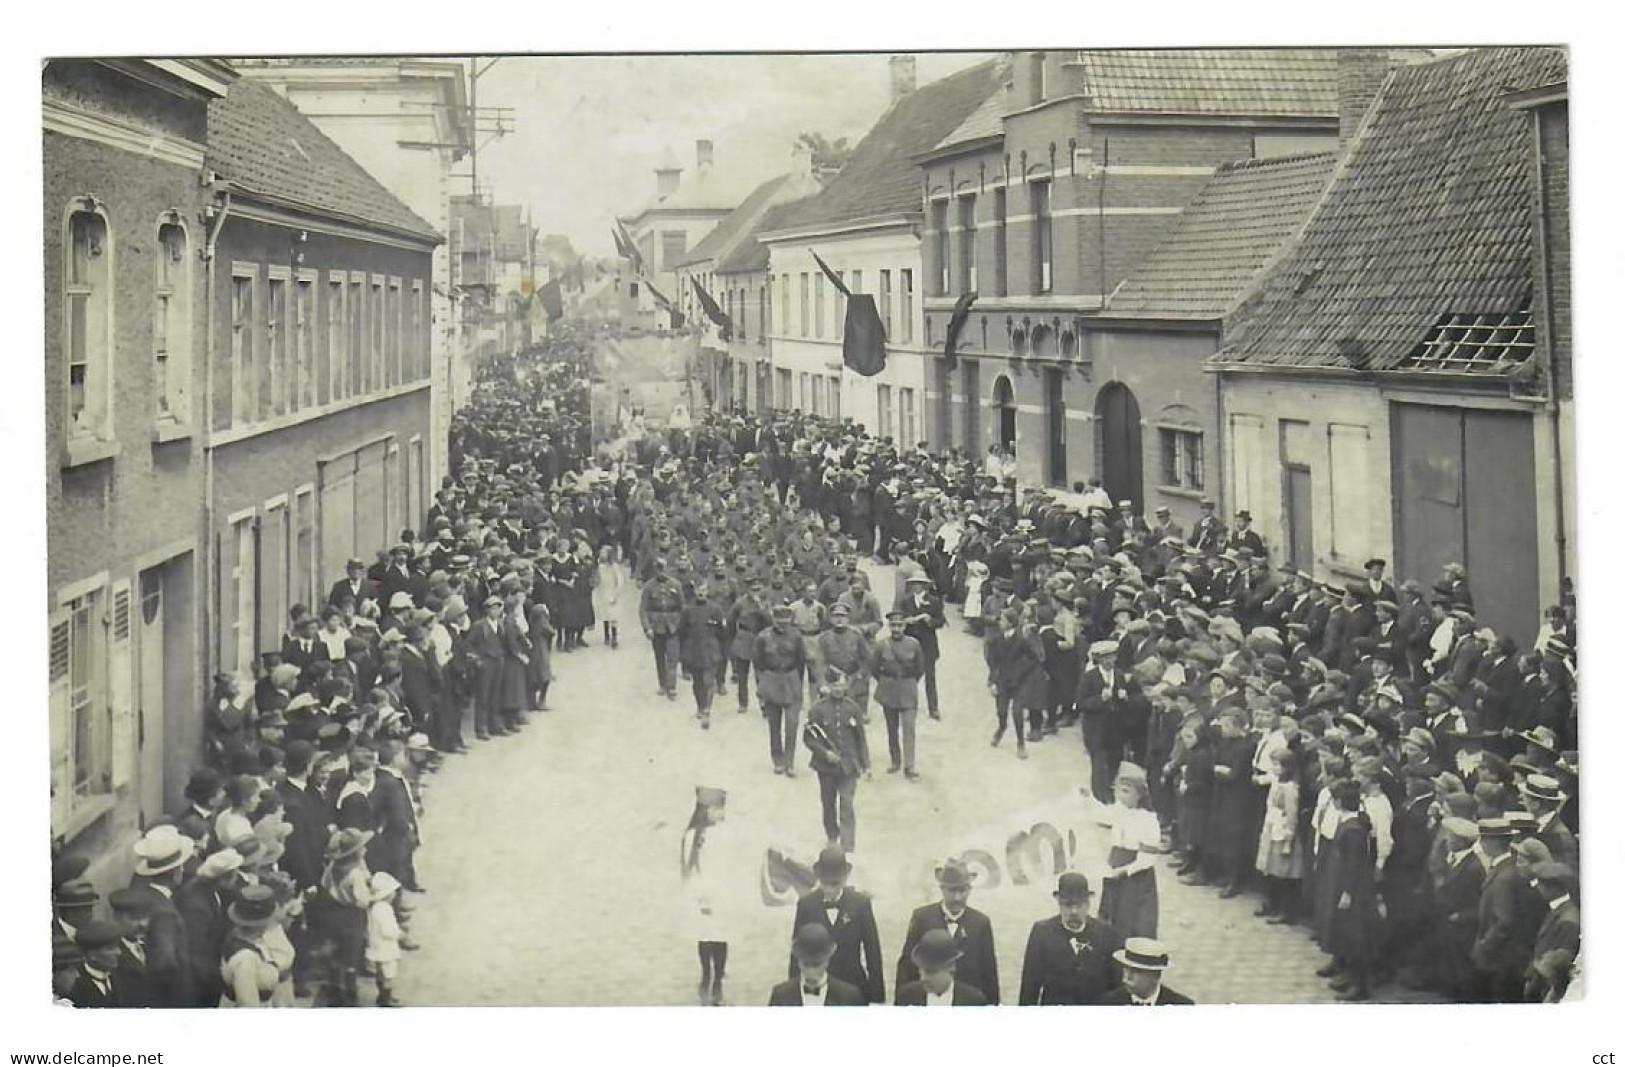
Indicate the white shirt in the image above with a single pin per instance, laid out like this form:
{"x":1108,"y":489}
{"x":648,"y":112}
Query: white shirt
{"x":1381,"y":813}
{"x":945,"y":999}
{"x":815,"y":1000}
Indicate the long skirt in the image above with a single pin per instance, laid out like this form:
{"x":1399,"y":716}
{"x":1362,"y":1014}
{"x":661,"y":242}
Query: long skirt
{"x":1129,"y":904}
{"x":515,"y":691}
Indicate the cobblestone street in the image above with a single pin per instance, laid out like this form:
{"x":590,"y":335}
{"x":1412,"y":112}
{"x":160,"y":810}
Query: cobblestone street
{"x":551,"y":857}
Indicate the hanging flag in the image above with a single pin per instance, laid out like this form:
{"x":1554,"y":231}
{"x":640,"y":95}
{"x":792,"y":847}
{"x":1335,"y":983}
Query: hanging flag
{"x":552,"y":299}
{"x":713,"y":311}
{"x":631,"y":245}
{"x":620,"y":245}
{"x":677,"y":318}
{"x":864,"y":346}
{"x":834,"y":279}
{"x":956,"y":323}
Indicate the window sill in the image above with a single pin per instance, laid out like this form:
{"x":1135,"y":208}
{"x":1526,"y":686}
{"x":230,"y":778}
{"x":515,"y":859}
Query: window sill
{"x":169,"y":430}
{"x":84,"y":452}
{"x":1181,"y":492}
{"x":85,"y":815}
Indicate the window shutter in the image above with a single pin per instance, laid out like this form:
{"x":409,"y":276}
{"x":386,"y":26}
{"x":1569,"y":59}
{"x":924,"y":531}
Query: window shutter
{"x":119,"y":687}
{"x":61,"y":726}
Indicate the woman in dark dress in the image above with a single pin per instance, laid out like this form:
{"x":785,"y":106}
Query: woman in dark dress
{"x":540,"y":675}
{"x":1194,"y":770}
{"x":514,"y":696}
{"x":579,"y":599}
{"x":1353,"y":924}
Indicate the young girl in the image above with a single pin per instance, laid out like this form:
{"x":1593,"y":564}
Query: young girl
{"x":340,"y":911}
{"x":1128,"y":895}
{"x":1280,"y":852}
{"x":709,"y":871}
{"x":384,"y":936}
{"x":606,"y":595}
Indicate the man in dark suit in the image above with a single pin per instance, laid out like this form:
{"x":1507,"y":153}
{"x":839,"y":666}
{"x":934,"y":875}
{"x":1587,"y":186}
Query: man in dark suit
{"x":201,"y":903}
{"x":1244,"y":536}
{"x":923,"y":617}
{"x":354,"y":584}
{"x":1544,"y":797}
{"x":1375,"y":587}
{"x":132,"y":911}
{"x":1557,"y":942}
{"x":99,"y":984}
{"x":811,"y":984}
{"x":971,"y":933}
{"x":1208,"y":535}
{"x":1108,"y":700}
{"x":848,"y":915}
{"x":1069,"y":956}
{"x":393,"y":847}
{"x":936,"y":960}
{"x":399,"y":577}
{"x":1143,"y":960}
{"x":305,"y":811}
{"x":300,"y":648}
{"x":161,"y":858}
{"x":1505,"y":942}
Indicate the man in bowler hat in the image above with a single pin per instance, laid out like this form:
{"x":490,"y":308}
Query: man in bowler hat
{"x":1069,"y":956}
{"x":970,"y":931}
{"x":811,"y":984}
{"x":936,"y":958}
{"x":848,"y":916}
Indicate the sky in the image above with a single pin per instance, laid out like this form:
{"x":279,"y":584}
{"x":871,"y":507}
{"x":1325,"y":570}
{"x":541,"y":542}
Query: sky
{"x":589,"y":130}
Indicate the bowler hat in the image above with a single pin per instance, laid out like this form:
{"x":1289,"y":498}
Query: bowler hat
{"x":75,"y":893}
{"x":1072,"y":888}
{"x":831,"y":860}
{"x":953,"y":874}
{"x":132,"y":901}
{"x":812,"y":943}
{"x":1142,"y":954}
{"x":98,"y":933}
{"x":936,"y":950}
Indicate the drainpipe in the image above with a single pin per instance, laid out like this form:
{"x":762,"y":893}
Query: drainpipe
{"x":1218,"y":452}
{"x":1548,"y":326}
{"x":206,"y":433}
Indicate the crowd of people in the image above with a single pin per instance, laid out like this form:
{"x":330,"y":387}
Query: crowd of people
{"x":1370,"y":759}
{"x":289,"y":876}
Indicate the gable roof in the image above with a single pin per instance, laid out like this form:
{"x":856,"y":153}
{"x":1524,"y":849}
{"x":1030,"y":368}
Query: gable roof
{"x":263,"y":146}
{"x":1212,"y":81}
{"x":730,"y":230}
{"x":880,"y":179}
{"x":1236,"y":225}
{"x":1426,"y":221}
{"x":750,"y":254}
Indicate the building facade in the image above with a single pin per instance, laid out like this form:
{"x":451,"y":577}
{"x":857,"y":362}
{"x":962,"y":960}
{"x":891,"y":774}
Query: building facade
{"x":407,"y":122}
{"x":126,"y":400}
{"x":320,"y":358}
{"x":1396,"y":384}
{"x":1044,"y":201}
{"x":866,"y":226}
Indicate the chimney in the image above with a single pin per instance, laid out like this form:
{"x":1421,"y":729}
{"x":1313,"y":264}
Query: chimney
{"x":902,"y":77}
{"x":702,"y":155}
{"x":1360,"y":74}
{"x":668,"y":176}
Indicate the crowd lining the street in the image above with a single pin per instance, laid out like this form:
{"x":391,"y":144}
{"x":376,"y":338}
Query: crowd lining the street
{"x":1370,"y":759}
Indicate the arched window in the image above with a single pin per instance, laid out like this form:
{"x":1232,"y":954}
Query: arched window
{"x":1018,"y":343}
{"x":88,"y":329}
{"x":172,"y":321}
{"x":1043,"y":341}
{"x":1069,"y":344}
{"x":1004,"y":403}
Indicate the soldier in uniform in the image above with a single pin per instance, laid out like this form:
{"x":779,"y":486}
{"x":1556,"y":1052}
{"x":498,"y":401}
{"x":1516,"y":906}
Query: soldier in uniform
{"x":780,"y":657}
{"x":699,"y":643}
{"x":748,"y":617}
{"x":848,"y":651}
{"x":840,"y":754}
{"x":899,"y":664}
{"x":659,"y":610}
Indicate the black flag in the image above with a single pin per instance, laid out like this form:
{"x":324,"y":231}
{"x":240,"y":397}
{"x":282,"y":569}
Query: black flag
{"x":956,"y":323}
{"x":552,"y":300}
{"x":677,"y":319}
{"x":864,"y":346}
{"x":834,"y":279}
{"x":713,"y":312}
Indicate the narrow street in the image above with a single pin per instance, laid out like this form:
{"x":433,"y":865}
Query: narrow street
{"x":521,"y":911}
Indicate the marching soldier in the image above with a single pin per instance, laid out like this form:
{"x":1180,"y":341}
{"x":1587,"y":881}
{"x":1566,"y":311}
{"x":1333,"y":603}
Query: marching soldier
{"x":780,"y":658}
{"x":659,"y":610}
{"x":899,"y":664}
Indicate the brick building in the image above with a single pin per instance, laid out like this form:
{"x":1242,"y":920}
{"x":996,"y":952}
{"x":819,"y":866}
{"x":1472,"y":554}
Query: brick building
{"x":1398,"y":383}
{"x":866,"y":225}
{"x":1152,"y":434}
{"x":124,"y":418}
{"x":319,"y":358}
{"x":1048,"y":197}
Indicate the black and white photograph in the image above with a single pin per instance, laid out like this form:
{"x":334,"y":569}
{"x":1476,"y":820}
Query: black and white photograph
{"x":1008,"y":528}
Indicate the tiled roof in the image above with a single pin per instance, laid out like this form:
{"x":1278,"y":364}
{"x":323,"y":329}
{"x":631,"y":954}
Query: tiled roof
{"x":1224,"y":81}
{"x":986,"y":121}
{"x":1426,"y":219}
{"x":751,"y":254}
{"x":881,"y":177}
{"x":262,"y":144}
{"x":1236,"y":225}
{"x":727,"y":233}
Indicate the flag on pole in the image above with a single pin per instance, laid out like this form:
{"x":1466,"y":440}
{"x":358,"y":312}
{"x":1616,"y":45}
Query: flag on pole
{"x":834,"y":279}
{"x":956,"y":323}
{"x":552,"y":299}
{"x":713,"y":311}
{"x":630,"y":244}
{"x":666,"y":305}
